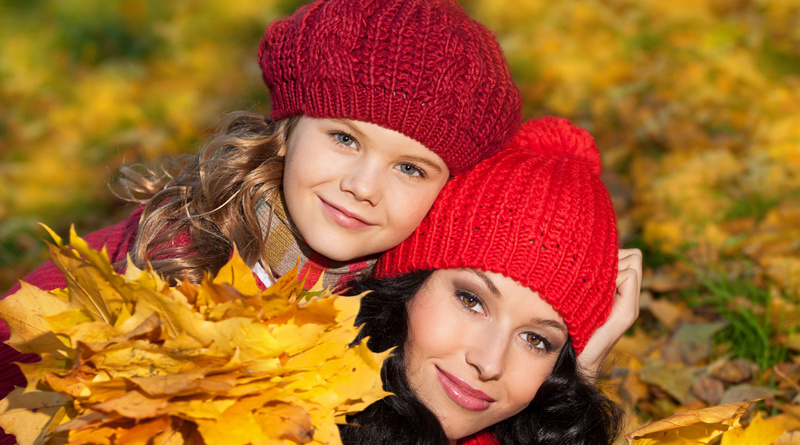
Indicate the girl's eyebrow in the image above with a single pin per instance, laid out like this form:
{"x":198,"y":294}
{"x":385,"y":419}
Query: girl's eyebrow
{"x":426,"y":162}
{"x":496,"y":292}
{"x":352,"y":126}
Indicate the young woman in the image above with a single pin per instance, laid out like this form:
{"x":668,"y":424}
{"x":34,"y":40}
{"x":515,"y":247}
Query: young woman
{"x":492,"y":298}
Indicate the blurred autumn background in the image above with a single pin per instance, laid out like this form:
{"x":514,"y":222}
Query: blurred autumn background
{"x":695,"y":106}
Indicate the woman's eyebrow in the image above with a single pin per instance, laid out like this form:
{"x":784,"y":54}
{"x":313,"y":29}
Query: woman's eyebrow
{"x":486,"y":280}
{"x":551,"y":323}
{"x":541,"y":321}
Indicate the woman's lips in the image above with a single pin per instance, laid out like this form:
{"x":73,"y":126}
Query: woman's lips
{"x":343,"y":217}
{"x":464,"y":395}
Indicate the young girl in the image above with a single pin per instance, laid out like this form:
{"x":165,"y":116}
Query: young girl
{"x":491,"y":299}
{"x":375,"y":105}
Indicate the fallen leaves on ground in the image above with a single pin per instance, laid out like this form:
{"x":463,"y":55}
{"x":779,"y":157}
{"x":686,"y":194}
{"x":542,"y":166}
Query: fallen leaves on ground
{"x":678,"y":388}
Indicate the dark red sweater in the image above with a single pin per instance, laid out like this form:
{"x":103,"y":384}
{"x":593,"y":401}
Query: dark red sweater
{"x":481,"y":438}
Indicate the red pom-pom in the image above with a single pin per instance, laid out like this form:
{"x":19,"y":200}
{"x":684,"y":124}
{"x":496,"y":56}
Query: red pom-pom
{"x":556,"y":136}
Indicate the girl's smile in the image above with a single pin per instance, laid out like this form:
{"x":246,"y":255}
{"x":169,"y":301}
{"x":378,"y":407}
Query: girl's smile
{"x":344,"y":218}
{"x":355,"y":189}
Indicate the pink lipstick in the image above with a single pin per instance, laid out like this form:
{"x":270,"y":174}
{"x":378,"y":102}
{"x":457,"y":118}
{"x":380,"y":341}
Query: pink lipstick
{"x":464,"y":395}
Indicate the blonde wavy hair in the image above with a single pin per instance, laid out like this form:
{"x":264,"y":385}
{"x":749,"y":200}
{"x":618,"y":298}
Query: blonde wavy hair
{"x":212,"y":196}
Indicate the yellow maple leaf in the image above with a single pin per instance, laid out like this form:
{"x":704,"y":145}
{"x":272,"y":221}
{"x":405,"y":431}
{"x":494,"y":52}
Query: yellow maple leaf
{"x":238,"y":275}
{"x":690,"y":427}
{"x":26,"y":313}
{"x":759,"y":432}
{"x":28,"y":415}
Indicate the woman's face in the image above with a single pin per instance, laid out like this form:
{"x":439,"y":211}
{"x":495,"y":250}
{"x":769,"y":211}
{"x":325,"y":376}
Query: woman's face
{"x":479,"y":346}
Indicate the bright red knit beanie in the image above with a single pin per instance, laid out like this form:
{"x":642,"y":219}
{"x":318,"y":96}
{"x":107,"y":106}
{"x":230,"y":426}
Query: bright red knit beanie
{"x":536,"y":212}
{"x":419,"y":67}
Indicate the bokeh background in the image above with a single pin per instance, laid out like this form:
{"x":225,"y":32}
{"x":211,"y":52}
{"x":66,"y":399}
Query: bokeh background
{"x":695,"y":105}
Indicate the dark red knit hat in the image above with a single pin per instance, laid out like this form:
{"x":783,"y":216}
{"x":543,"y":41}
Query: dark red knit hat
{"x":536,"y":212}
{"x":419,"y":67}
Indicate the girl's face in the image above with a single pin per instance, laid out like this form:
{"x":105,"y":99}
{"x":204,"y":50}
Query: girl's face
{"x":354,"y":188}
{"x":479,"y":346}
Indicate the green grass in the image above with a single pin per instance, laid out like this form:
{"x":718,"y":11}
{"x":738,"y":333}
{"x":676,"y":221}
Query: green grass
{"x":745,"y":306}
{"x":652,"y":256}
{"x":753,"y":205}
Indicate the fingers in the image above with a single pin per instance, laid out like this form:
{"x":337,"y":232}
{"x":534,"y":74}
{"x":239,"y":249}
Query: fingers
{"x":625,"y":309}
{"x":631,"y":259}
{"x":624,"y":312}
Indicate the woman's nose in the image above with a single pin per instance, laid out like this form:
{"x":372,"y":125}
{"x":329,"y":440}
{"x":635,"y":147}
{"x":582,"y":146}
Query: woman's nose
{"x":487,"y":355}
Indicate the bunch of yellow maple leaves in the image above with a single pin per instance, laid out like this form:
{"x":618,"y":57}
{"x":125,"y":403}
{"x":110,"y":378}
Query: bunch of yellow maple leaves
{"x":127,"y":359}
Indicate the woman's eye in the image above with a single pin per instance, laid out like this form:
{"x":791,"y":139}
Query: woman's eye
{"x":470,"y":301}
{"x":345,"y":139}
{"x":536,"y":341}
{"x":410,"y":170}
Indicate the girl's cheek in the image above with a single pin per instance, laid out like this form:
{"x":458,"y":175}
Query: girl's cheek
{"x":423,"y":201}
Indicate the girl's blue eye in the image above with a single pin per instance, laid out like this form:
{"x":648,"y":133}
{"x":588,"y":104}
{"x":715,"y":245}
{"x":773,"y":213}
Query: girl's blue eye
{"x":410,"y":170}
{"x":344,"y":139}
{"x":536,"y":341}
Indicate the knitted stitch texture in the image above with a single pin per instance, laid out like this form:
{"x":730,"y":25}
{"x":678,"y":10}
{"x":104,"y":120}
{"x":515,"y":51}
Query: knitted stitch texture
{"x":285,"y":249}
{"x":420,"y":67}
{"x":538,"y":213}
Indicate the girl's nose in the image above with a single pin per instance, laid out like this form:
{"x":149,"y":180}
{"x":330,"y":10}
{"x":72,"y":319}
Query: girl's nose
{"x":363,"y":182}
{"x":488,"y":355}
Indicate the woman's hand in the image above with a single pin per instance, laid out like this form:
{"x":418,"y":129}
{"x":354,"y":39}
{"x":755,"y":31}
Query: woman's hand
{"x":624,"y":312}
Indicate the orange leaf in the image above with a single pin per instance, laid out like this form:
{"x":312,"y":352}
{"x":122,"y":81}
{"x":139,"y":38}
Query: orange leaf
{"x":143,"y":433}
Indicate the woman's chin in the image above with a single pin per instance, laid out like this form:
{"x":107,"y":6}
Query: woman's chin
{"x":456,"y":432}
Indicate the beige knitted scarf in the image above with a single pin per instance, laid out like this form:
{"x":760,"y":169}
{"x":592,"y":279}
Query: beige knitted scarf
{"x":284,"y":248}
